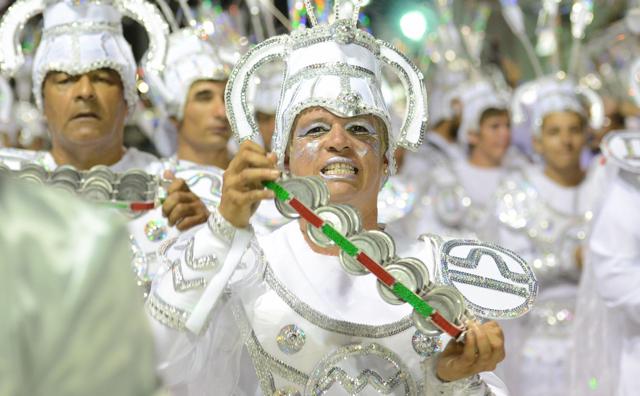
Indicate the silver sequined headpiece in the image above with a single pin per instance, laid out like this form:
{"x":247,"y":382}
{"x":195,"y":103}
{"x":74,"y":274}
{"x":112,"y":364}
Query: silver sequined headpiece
{"x":335,"y":66}
{"x":533,"y":100}
{"x":81,"y":36}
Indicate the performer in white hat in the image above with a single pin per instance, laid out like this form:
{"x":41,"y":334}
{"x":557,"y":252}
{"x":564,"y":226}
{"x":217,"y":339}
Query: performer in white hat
{"x":84,"y":82}
{"x":239,"y":314}
{"x":608,"y":307}
{"x":458,"y":200}
{"x":191,"y":88}
{"x":543,"y":215}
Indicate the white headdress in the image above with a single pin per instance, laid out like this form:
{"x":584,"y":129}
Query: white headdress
{"x":190,"y":57}
{"x":476,"y":96}
{"x":79,"y":37}
{"x":532,"y":101}
{"x":335,"y":66}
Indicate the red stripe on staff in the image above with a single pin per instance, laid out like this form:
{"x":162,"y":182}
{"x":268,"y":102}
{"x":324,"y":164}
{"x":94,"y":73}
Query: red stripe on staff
{"x":444,"y":324}
{"x":376,"y":269}
{"x":306,"y":213}
{"x":140,"y":206}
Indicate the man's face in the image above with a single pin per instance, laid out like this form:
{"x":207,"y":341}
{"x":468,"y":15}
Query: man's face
{"x":204,"y":123}
{"x":346,"y":152}
{"x":561,"y":141}
{"x":84,"y":109}
{"x":266,"y":124}
{"x":493,"y":138}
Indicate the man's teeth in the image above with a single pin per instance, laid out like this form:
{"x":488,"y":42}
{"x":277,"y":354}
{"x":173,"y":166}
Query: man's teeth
{"x":339,"y":169}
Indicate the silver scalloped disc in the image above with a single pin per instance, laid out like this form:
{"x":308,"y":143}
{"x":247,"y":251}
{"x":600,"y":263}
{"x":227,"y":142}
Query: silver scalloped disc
{"x":401,"y":274}
{"x":366,"y":243}
{"x":333,"y":216}
{"x":301,"y":189}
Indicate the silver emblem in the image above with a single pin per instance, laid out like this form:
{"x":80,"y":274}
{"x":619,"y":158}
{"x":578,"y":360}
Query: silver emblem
{"x":495,"y":282}
{"x":329,"y":373}
{"x":291,"y":339}
{"x":623,"y":149}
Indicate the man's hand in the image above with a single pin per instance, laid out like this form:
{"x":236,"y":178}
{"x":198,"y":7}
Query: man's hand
{"x":182,"y":207}
{"x":482,"y":351}
{"x":242,"y":188}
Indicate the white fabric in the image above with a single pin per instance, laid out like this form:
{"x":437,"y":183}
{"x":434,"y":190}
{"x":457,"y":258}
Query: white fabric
{"x":203,"y":181}
{"x":71,"y":31}
{"x":539,"y":346}
{"x":195,"y":365}
{"x":72,"y":318}
{"x":6,"y":106}
{"x":608,"y":300}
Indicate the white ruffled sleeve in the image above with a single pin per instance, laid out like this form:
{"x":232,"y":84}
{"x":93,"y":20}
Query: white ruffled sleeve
{"x":191,"y":319}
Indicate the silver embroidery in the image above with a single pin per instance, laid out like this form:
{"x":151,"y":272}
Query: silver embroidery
{"x":328,"y":323}
{"x":264,"y":363}
{"x":340,"y":69}
{"x":180,"y":284}
{"x":165,"y":313}
{"x":328,"y":373}
{"x":202,"y":263}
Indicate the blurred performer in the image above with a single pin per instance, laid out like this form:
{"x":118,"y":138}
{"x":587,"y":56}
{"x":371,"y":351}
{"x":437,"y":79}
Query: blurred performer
{"x":288,"y":321}
{"x":459,"y":200}
{"x":192,"y":88}
{"x":84,"y":81}
{"x":73,"y":320}
{"x":543,"y":215}
{"x":606,"y":357}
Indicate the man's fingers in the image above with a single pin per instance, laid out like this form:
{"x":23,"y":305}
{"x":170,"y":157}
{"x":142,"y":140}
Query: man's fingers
{"x":192,"y":221}
{"x":181,"y":211}
{"x":470,"y":347}
{"x":249,"y":151}
{"x":483,"y":345}
{"x":175,"y":198}
{"x":177,"y":185}
{"x":252,"y":178}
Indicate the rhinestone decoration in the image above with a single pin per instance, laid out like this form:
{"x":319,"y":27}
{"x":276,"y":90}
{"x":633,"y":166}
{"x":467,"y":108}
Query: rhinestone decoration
{"x":287,"y":391}
{"x":291,"y":339}
{"x":156,"y":230}
{"x":426,"y":346}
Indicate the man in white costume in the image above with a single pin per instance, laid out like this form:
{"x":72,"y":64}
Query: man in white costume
{"x":84,"y":82}
{"x":543,"y":215}
{"x":73,"y":322}
{"x":459,"y":199}
{"x":307,"y":327}
{"x":192,"y":89}
{"x":608,"y":306}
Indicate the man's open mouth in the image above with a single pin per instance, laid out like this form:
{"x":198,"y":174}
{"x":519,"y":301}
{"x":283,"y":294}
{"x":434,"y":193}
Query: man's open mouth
{"x":340,"y":169}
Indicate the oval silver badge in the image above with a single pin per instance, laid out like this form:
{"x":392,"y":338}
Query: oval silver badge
{"x":495,"y":282}
{"x":623,"y":149}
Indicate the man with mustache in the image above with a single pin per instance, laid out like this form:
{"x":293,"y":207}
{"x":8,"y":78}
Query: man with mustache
{"x":84,"y":82}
